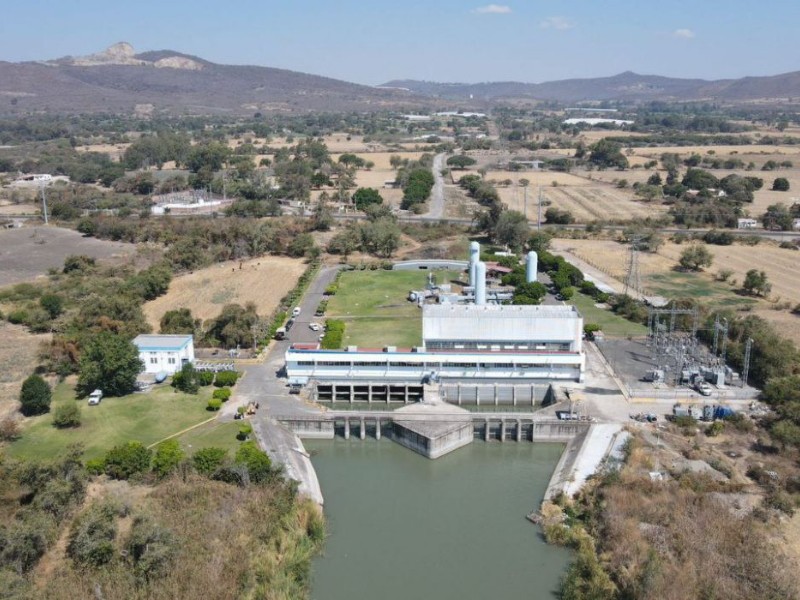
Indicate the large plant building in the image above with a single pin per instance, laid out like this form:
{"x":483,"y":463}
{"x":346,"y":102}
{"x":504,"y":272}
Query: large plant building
{"x":489,"y":342}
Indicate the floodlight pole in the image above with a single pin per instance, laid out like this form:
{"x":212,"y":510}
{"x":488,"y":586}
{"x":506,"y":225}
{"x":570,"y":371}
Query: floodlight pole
{"x":44,"y":204}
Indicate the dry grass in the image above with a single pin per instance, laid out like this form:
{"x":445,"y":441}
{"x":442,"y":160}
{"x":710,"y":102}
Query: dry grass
{"x":263,"y":281}
{"x":18,"y":358}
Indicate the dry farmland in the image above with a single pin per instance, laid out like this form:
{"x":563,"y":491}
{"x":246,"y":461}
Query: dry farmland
{"x":263,"y":281}
{"x":29,"y":252}
{"x":18,"y":351}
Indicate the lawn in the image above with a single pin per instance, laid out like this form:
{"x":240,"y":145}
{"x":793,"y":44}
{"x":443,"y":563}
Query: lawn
{"x":375,"y":308}
{"x":611,"y":324}
{"x":216,"y":433}
{"x":147,"y":418}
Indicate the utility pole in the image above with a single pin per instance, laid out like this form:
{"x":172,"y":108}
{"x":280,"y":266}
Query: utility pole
{"x":44,"y":203}
{"x":746,"y":371}
{"x":526,"y":203}
{"x":539,"y":217}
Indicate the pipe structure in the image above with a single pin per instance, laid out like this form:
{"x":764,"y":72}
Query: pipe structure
{"x":480,"y":283}
{"x":531,"y":265}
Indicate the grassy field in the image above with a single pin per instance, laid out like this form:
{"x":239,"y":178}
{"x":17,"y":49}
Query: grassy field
{"x":216,"y":433}
{"x":611,"y":324}
{"x":375,"y":307}
{"x":147,"y":418}
{"x":18,"y":357}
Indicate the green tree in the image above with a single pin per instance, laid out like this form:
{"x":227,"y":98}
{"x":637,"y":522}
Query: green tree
{"x":179,"y":321}
{"x":365,"y":197}
{"x":460,"y":161}
{"x":35,"y":396}
{"x":233,"y":326}
{"x":167,"y":457}
{"x":698,"y":179}
{"x":255,"y":460}
{"x":300,"y":245}
{"x":539,"y":241}
{"x":511,"y":230}
{"x":778,"y":216}
{"x":756,"y":283}
{"x":781,"y":184}
{"x":186,"y":380}
{"x":695,"y":257}
{"x":608,"y":154}
{"x":109,"y":362}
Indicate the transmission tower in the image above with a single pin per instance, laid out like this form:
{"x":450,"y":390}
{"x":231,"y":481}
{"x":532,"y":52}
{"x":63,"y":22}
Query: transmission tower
{"x":633,"y":279}
{"x":746,"y":371}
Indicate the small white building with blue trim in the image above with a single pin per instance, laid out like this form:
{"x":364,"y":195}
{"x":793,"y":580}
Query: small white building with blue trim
{"x":165,"y":353}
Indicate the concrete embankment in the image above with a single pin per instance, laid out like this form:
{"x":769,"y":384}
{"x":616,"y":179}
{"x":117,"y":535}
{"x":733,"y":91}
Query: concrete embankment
{"x":583,"y":457}
{"x":285,"y":448}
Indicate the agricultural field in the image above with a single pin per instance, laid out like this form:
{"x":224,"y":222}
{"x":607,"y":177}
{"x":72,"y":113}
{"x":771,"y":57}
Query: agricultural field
{"x":147,"y":418}
{"x":18,"y":357}
{"x":375,"y":308}
{"x":660,"y":277}
{"x":28,"y":252}
{"x":262,"y":281}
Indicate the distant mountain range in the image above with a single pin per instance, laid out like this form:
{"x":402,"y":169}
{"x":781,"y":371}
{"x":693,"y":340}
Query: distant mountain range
{"x":626,"y":86}
{"x":120,"y":80}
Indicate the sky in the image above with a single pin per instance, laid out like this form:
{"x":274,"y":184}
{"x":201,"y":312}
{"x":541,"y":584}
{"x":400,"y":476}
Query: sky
{"x":374,"y":41}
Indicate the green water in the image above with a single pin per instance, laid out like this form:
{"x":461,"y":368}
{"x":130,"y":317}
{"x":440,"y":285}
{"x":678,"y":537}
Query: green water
{"x":403,"y":527}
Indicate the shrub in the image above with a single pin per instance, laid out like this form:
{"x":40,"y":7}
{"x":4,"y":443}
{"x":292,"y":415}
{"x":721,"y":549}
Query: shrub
{"x":186,"y":380}
{"x":259,"y":467}
{"x":96,"y":466}
{"x":167,"y":457}
{"x":126,"y":460}
{"x":205,"y":378}
{"x":222,"y":394}
{"x":67,"y":414}
{"x":91,"y":542}
{"x":9,"y":429}
{"x":151,"y":547}
{"x":781,"y":184}
{"x":226,"y":379}
{"x":214,"y":404}
{"x":24,"y":542}
{"x":208,"y":460}
{"x":35,"y":396}
{"x":715,"y":429}
{"x":18,"y":317}
{"x":334,"y":335}
{"x":245,"y":429}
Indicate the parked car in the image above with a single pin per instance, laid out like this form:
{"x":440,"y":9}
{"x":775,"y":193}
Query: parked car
{"x":295,"y":311}
{"x":704,"y":389}
{"x":314,"y":326}
{"x":95,"y":397}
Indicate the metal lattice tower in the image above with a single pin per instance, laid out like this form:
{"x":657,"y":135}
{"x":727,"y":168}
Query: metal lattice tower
{"x":633,"y":279}
{"x":746,"y":371}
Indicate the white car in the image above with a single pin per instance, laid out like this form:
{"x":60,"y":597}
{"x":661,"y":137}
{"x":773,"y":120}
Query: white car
{"x":295,"y":311}
{"x":95,"y":397}
{"x":314,"y":326}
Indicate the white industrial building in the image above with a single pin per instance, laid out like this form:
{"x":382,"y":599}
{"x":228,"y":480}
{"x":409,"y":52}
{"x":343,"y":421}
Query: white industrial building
{"x":462,"y":342}
{"x":165,"y":353}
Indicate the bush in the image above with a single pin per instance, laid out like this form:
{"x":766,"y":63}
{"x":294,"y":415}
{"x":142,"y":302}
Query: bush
{"x":35,"y":396}
{"x":67,"y":414}
{"x":208,"y":460}
{"x":222,"y":394}
{"x":126,"y":460}
{"x":214,"y":404}
{"x":245,"y":429}
{"x":9,"y":429}
{"x":167,"y":457}
{"x":715,"y":428}
{"x":259,"y":467}
{"x":781,"y":184}
{"x":91,"y":542}
{"x":205,"y":378}
{"x":226,"y":379}
{"x":151,"y":547}
{"x":186,"y":380}
{"x":334,"y":335}
{"x":24,"y":542}
{"x":96,"y":466}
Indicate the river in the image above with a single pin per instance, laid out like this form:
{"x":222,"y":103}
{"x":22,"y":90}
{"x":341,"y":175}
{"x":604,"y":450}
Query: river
{"x":402,"y":526}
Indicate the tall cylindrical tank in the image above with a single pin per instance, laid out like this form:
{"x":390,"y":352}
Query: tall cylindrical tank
{"x":480,"y":283}
{"x":531,"y":267}
{"x":474,"y":257}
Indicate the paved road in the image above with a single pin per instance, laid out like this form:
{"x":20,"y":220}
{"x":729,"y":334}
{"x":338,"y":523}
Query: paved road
{"x":436,"y":210}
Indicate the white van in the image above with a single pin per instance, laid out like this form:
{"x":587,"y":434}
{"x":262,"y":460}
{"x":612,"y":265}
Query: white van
{"x":295,"y":311}
{"x":95,"y":397}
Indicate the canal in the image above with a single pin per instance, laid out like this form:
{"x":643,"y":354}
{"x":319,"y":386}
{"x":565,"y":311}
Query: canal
{"x":402,"y":526}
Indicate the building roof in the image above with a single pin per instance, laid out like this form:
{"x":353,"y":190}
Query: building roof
{"x":162,"y":342}
{"x":495,"y":322}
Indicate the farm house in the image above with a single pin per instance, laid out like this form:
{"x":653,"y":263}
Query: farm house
{"x":164,"y":353}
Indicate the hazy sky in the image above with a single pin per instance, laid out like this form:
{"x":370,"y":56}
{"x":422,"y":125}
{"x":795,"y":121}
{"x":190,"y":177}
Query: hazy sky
{"x":373,"y":41}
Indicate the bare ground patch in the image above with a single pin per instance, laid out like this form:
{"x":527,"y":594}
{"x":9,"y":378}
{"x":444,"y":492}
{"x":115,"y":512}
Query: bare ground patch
{"x":18,"y":352}
{"x":263,"y":281}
